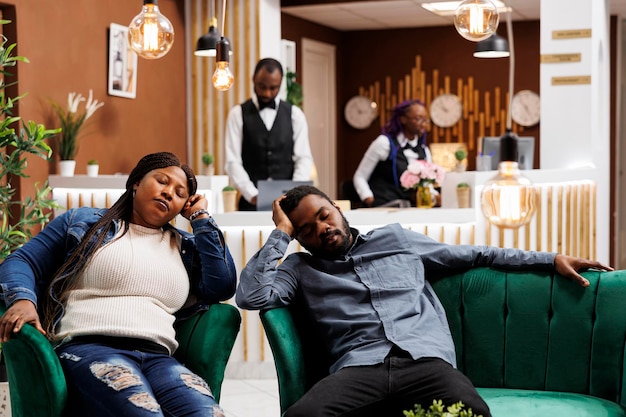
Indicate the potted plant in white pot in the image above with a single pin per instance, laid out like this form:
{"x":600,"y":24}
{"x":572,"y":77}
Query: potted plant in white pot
{"x":207,"y":164}
{"x":71,"y":123}
{"x":461,"y":164}
{"x":92,"y":168}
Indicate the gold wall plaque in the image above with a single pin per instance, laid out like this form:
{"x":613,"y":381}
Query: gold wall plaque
{"x":571,"y":34}
{"x":443,"y":153}
{"x":572,"y":80}
{"x":558,"y":58}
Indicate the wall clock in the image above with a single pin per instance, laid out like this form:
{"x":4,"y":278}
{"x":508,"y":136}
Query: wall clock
{"x":446,"y":110}
{"x":360,"y":112}
{"x":525,"y":108}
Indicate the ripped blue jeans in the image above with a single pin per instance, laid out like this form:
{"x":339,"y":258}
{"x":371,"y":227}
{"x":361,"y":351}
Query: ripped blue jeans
{"x":108,"y":382}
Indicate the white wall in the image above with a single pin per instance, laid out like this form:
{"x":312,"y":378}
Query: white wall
{"x":575,"y":119}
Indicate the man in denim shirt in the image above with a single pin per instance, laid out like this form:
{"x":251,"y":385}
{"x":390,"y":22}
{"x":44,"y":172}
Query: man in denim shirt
{"x":384,"y":327}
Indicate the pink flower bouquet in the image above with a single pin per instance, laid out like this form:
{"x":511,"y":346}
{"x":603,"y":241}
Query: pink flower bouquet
{"x":422,"y":173}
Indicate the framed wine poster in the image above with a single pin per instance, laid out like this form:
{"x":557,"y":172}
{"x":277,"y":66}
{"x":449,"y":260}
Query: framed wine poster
{"x":122,"y":80}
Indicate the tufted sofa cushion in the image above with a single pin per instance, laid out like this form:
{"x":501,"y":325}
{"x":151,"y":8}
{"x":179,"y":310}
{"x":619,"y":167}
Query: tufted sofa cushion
{"x":534,"y":343}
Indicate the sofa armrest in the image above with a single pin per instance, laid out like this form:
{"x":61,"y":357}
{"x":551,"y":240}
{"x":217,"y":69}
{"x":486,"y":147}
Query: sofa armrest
{"x":206,"y":342}
{"x":288,"y":357}
{"x":36,"y":381}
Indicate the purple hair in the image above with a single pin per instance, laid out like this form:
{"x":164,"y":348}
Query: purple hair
{"x":394,"y":126}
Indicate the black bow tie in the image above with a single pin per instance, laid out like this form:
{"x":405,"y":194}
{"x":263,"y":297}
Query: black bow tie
{"x":418,"y":149}
{"x":270,"y":104}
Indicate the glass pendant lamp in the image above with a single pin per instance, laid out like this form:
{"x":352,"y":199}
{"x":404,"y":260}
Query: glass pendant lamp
{"x":476,"y":20}
{"x":150,"y":34}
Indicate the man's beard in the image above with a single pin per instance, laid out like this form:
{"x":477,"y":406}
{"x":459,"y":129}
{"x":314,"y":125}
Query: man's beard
{"x":343,"y":246}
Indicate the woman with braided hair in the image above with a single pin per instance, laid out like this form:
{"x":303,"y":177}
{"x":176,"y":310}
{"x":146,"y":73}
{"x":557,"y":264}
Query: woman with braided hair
{"x":111,"y":282}
{"x":402,"y":141}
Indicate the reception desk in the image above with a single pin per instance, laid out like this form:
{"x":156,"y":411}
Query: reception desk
{"x":565,"y":222}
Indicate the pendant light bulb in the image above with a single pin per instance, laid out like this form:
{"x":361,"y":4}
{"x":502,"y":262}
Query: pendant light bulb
{"x":223,"y":78}
{"x":508,"y":200}
{"x":476,"y":20}
{"x":150,"y":34}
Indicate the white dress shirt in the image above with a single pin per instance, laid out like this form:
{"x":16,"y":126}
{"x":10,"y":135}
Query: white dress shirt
{"x":302,"y":157}
{"x":379,"y":150}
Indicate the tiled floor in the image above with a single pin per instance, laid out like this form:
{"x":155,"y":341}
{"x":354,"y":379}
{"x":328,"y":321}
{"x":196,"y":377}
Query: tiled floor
{"x":250,"y":397}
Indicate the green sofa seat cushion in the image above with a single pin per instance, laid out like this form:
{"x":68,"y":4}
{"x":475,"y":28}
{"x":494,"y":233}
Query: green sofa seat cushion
{"x":531,"y":403}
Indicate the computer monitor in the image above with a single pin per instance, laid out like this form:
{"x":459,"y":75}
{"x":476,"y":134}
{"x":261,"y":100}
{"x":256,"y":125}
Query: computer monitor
{"x":525,"y":151}
{"x":270,"y":190}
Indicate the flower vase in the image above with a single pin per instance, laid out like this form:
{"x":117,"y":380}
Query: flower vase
{"x":424,"y":197}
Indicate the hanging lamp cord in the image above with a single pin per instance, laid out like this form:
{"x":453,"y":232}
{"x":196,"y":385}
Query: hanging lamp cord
{"x":509,"y":29}
{"x":223,"y":15}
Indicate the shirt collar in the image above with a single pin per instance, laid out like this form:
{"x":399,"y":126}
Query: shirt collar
{"x":255,"y":100}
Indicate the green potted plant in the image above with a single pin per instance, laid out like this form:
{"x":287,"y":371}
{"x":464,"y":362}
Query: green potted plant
{"x":71,"y":123}
{"x":294,"y":90}
{"x":437,"y":409}
{"x":463,"y":195}
{"x":92,"y":168}
{"x":229,"y":197}
{"x":207,"y":164}
{"x":19,"y":219}
{"x":461,"y":163}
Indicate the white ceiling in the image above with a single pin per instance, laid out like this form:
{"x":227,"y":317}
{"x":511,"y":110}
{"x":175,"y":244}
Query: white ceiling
{"x":394,"y":14}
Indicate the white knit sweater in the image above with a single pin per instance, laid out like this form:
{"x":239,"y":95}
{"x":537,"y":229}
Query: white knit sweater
{"x":131,"y":288}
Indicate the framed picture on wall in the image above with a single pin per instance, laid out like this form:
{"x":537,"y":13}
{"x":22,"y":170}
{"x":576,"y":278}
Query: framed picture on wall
{"x":122,"y":78}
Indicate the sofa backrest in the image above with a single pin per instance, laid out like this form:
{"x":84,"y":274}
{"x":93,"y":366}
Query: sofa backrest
{"x":536,"y":330}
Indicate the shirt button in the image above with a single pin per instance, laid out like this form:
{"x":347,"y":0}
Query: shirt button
{"x":183,"y":251}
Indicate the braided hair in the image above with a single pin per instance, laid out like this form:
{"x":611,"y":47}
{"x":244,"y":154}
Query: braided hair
{"x":394,"y":126}
{"x":65,"y":279}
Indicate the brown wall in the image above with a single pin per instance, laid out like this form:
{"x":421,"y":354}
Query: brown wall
{"x":365,"y":57}
{"x":66,"y":43}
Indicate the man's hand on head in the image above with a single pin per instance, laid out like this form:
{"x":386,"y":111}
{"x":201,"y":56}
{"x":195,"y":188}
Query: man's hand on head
{"x":280,"y":218}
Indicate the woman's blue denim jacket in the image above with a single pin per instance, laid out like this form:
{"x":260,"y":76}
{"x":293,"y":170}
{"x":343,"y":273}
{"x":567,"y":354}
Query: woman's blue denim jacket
{"x":27,"y":273}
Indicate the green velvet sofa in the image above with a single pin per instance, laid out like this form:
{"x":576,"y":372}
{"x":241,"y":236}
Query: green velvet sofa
{"x":37,"y":384}
{"x":535,"y":344}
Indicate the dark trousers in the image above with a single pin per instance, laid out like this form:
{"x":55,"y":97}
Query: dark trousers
{"x":387,"y":389}
{"x":245,"y":206}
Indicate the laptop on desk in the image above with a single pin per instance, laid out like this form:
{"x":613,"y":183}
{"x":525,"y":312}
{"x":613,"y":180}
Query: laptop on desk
{"x":270,"y":190}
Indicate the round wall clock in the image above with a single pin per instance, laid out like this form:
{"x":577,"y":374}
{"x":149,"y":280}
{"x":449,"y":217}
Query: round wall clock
{"x":525,"y":108}
{"x":446,"y":110}
{"x":360,"y":112}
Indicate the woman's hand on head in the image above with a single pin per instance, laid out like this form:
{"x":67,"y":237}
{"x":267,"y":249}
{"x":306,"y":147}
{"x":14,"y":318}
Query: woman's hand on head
{"x":194,"y":203}
{"x":20,"y":313}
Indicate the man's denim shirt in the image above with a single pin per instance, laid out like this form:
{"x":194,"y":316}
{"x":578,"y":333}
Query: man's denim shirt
{"x":27,"y":273}
{"x":376,"y":295}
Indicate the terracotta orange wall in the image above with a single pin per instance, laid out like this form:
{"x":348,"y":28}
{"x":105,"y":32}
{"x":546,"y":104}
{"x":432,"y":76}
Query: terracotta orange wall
{"x":66,"y":43}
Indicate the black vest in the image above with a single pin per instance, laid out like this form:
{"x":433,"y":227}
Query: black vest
{"x":385,"y":180}
{"x":267,"y":154}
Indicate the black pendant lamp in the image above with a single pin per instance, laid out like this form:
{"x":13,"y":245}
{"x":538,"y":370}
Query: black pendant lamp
{"x":493,"y":47}
{"x":207,"y":43}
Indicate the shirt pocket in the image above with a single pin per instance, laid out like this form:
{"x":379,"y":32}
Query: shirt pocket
{"x":399,"y":271}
